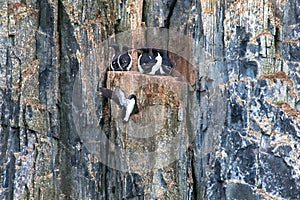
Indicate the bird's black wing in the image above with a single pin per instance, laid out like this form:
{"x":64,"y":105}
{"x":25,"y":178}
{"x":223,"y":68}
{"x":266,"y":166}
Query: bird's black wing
{"x":118,"y":95}
{"x":146,"y":58}
{"x":146,"y":61}
{"x":124,"y":60}
{"x":106,"y":92}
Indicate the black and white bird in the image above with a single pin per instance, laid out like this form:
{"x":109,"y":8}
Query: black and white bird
{"x":128,"y":105}
{"x":146,"y":60}
{"x":149,"y":61}
{"x":125,"y":59}
{"x":154,"y":61}
{"x":114,"y":65}
{"x":121,"y":60}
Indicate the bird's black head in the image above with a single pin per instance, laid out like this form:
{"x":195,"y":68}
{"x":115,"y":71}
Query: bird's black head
{"x":132,"y":96}
{"x":155,"y":51}
{"x":135,"y":109}
{"x":116,"y":47}
{"x":143,"y":50}
{"x":126,"y":48}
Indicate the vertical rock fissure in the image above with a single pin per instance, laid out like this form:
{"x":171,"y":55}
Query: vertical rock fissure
{"x":67,"y":74}
{"x":193,"y":171}
{"x":8,"y":135}
{"x":144,"y":12}
{"x":11,"y":175}
{"x":34,"y":166}
{"x":171,"y":9}
{"x":4,"y":114}
{"x":44,"y":45}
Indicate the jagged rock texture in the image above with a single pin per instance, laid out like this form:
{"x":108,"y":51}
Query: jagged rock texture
{"x":248,"y":140}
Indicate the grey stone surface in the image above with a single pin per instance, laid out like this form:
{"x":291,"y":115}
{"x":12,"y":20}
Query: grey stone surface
{"x":246,"y":81}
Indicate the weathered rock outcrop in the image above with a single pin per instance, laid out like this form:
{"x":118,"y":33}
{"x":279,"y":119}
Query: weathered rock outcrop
{"x":243,"y":143}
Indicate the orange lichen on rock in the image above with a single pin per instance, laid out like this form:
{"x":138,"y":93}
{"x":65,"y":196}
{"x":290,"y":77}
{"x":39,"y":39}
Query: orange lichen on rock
{"x":290,"y":111}
{"x":278,"y":75}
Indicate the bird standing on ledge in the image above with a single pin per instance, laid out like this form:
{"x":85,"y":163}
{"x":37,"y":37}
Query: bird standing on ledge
{"x":125,"y":59}
{"x":121,"y":61}
{"x":128,"y":105}
{"x":154,"y":61}
{"x":149,"y":61}
{"x":114,"y":65}
{"x":146,"y":60}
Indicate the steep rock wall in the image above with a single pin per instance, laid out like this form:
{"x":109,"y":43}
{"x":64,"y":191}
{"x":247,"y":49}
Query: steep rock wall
{"x":247,"y":62}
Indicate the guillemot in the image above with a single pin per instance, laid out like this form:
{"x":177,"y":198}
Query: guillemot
{"x":145,"y":60}
{"x":154,"y":61}
{"x":121,"y":60}
{"x":114,"y":65}
{"x":149,"y":61}
{"x":128,"y":105}
{"x":125,"y":59}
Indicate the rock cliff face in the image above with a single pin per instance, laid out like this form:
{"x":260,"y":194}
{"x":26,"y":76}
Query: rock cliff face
{"x":233,"y":116}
